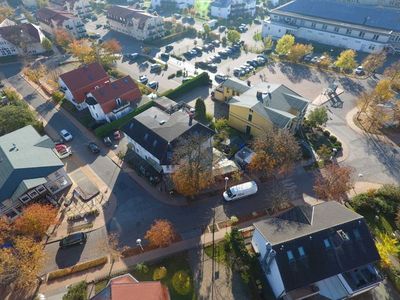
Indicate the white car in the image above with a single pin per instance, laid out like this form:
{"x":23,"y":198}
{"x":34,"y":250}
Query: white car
{"x":359,"y":70}
{"x":240,"y":191}
{"x":66,"y":136}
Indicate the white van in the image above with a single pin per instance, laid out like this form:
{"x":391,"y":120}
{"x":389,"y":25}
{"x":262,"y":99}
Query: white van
{"x":240,"y":191}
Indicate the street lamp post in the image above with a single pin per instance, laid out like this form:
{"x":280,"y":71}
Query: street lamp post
{"x":226,"y":183}
{"x":139,"y":243}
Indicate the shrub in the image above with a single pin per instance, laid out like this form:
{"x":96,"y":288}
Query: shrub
{"x":57,"y":96}
{"x":182,"y":283}
{"x":78,"y":268}
{"x":76,"y":292}
{"x":326,"y":133}
{"x":159,"y":273}
{"x":333,"y":139}
{"x":179,"y":73}
{"x":171,"y":76}
{"x":199,"y":80}
{"x":115,"y":73}
{"x":106,"y":129}
{"x":142,"y":268}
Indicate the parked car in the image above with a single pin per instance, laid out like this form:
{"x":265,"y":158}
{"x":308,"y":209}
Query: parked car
{"x":65,"y":135}
{"x":133,"y":56}
{"x":107,"y":141}
{"x":98,"y":26}
{"x":359,"y":70}
{"x":62,"y":151}
{"x":78,"y":238}
{"x":307,"y":58}
{"x":143,"y":79}
{"x":220,"y":77}
{"x":169,"y":48}
{"x":154,"y":68}
{"x":177,"y":16}
{"x":164,"y":56}
{"x":93,"y":147}
{"x":212,"y":67}
{"x":216,"y":43}
{"x":221,"y":28}
{"x":240,"y":191}
{"x":153,"y":85}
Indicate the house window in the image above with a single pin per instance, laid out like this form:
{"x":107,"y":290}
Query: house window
{"x":376,"y":37}
{"x":302,"y":253}
{"x":348,"y":31}
{"x":146,"y":136}
{"x":250,"y":118}
{"x":327,"y":243}
{"x":312,"y":25}
{"x":118,"y":100}
{"x":290,"y":255}
{"x":324,"y":27}
{"x":361,"y":34}
{"x":336,"y":29}
{"x":357,"y":235}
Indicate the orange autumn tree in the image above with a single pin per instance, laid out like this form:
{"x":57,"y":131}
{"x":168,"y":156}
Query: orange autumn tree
{"x":276,"y":151}
{"x":35,"y":220}
{"x":62,"y":37}
{"x":161,"y":233}
{"x":334,"y":183}
{"x":82,"y":50}
{"x":193,"y":156}
{"x":5,"y":230}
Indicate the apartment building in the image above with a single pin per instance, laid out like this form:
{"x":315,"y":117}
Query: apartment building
{"x":225,"y":9}
{"x":366,"y":28}
{"x":181,"y":4}
{"x":20,"y":39}
{"x":52,"y":19}
{"x":135,"y":23}
{"x":79,"y":8}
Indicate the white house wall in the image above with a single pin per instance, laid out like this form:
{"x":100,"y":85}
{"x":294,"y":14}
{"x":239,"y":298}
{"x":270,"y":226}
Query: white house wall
{"x":139,"y":150}
{"x":274,"y":277}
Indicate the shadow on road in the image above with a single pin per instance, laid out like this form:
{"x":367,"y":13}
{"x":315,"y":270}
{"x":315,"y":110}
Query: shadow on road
{"x":69,"y":257}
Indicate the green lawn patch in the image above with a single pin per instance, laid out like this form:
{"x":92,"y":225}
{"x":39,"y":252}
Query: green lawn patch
{"x":100,"y":285}
{"x":220,"y":254}
{"x":178,"y":277}
{"x":202,"y":7}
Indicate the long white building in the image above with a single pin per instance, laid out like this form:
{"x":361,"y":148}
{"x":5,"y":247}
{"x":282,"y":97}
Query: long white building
{"x":225,"y":9}
{"x":366,"y":28}
{"x":135,"y":23}
{"x":181,"y":4}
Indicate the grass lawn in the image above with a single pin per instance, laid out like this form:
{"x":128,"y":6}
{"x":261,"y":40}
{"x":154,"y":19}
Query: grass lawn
{"x":219,"y":254}
{"x":174,"y":265}
{"x":201,"y":7}
{"x":100,"y":285}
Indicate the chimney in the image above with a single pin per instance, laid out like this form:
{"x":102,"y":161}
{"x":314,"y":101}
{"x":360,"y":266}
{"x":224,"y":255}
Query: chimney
{"x":260,"y":96}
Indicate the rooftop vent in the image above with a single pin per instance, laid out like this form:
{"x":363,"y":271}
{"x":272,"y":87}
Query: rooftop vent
{"x":343,"y":235}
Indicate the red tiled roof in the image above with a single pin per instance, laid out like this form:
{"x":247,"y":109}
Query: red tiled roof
{"x":84,"y":79}
{"x":47,"y":15}
{"x":126,"y":287}
{"x":116,"y":12}
{"x":124,"y":88}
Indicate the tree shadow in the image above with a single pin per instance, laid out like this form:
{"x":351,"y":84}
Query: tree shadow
{"x":69,"y":257}
{"x":350,"y":85}
{"x":297,"y":73}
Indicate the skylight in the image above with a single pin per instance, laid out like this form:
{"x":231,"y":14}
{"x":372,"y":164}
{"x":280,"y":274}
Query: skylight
{"x":301,"y":251}
{"x":290,"y":255}
{"x":327,"y":243}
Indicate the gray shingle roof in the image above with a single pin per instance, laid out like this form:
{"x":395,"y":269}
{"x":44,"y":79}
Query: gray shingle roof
{"x":298,"y":228}
{"x":280,"y":104}
{"x":25,"y":155}
{"x":158,"y":132}
{"x":363,"y":15}
{"x":235,"y":84}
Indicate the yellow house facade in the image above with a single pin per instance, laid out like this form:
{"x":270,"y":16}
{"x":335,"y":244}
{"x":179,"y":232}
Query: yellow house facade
{"x":229,"y":88}
{"x":265,"y":106}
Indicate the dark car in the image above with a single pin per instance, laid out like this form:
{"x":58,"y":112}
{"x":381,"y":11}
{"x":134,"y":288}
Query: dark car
{"x":107,"y":141}
{"x":164,"y":56}
{"x":169,"y":48}
{"x":93,"y":147}
{"x":78,"y":238}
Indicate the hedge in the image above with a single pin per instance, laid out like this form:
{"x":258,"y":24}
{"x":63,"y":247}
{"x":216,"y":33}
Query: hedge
{"x":172,"y":37}
{"x":78,"y":268}
{"x":199,"y":80}
{"x":108,"y":128}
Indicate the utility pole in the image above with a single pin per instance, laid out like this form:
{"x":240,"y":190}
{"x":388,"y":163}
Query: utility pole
{"x":213,"y":256}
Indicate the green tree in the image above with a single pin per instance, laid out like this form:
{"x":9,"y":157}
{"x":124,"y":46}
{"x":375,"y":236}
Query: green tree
{"x":346,"y":60}
{"x":224,"y":41}
{"x":206,"y":29}
{"x":324,"y":153}
{"x":13,"y":117}
{"x":318,"y":117}
{"x":76,"y":292}
{"x":233,"y":36}
{"x":5,"y":12}
{"x":57,"y":96}
{"x":268,"y":43}
{"x":284,"y":44}
{"x":200,"y":110}
{"x":42,"y":3}
{"x":46,"y":44}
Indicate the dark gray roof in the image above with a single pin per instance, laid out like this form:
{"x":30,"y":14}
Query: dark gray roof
{"x":221,"y":3}
{"x":236,"y":84}
{"x":25,"y":155}
{"x":309,"y":228}
{"x":340,"y":11}
{"x":279,"y":103}
{"x":158,"y":132}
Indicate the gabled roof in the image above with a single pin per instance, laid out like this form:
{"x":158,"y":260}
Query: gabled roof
{"x":48,"y":15}
{"x":25,"y":156}
{"x":276,"y":102}
{"x":221,"y":3}
{"x":16,"y":33}
{"x":158,"y":132}
{"x":126,"y":287}
{"x":333,"y":238}
{"x":7,"y":22}
{"x":84,"y":79}
{"x":124,"y":14}
{"x":352,"y":13}
{"x":124,"y":88}
{"x":235,"y":84}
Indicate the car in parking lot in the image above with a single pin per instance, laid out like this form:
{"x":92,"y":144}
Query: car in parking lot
{"x":164,"y":56}
{"x":221,"y":28}
{"x":169,"y":48}
{"x":78,"y":238}
{"x":153,"y":85}
{"x":212,"y":67}
{"x":216,"y":43}
{"x":143,"y":79}
{"x":154,"y":68}
{"x":220,"y":77}
{"x":215,"y":58}
{"x":177,"y":16}
{"x":65,"y":135}
{"x":359,"y":70}
{"x":93,"y":147}
{"x":132,"y":56}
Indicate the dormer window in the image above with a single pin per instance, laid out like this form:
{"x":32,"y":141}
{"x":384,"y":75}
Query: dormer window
{"x":118,"y":100}
{"x":302,"y":253}
{"x":290,"y":255}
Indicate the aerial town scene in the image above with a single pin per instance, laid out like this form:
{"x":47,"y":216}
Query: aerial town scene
{"x":199,"y":149}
